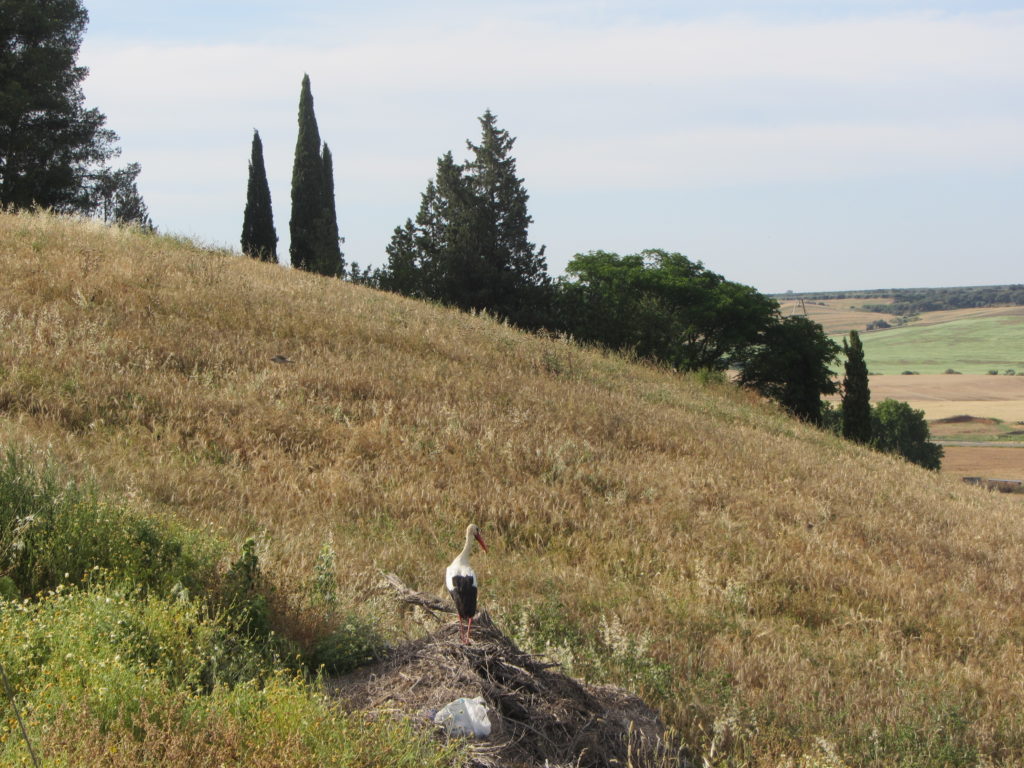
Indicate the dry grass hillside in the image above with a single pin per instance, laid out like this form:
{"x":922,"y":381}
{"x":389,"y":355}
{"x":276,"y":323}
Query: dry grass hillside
{"x":783,"y":597}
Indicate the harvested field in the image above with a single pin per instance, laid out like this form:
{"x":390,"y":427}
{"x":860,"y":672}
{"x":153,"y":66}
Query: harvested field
{"x":952,"y":315}
{"x":1004,"y":463}
{"x":837,"y":315}
{"x":941,"y":396}
{"x":956,"y":427}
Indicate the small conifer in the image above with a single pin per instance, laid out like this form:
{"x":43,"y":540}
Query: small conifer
{"x":332,"y":261}
{"x":856,"y":394}
{"x":259,"y":238}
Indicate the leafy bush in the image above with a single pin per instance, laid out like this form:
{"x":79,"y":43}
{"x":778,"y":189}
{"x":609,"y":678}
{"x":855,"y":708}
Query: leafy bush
{"x":119,"y":653}
{"x":898,"y":428}
{"x":54,"y":532}
{"x":107,"y":677}
{"x":242,"y":596}
{"x":354,"y":643}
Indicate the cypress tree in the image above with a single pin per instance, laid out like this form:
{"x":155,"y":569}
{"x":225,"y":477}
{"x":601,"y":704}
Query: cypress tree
{"x":856,"y":394}
{"x":332,"y":260}
{"x":307,"y":221}
{"x":259,"y":238}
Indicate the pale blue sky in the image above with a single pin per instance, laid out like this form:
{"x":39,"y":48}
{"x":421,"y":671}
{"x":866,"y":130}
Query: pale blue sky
{"x":788,"y":145}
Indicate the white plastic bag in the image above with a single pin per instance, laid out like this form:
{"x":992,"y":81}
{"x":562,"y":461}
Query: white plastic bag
{"x":465,"y":717}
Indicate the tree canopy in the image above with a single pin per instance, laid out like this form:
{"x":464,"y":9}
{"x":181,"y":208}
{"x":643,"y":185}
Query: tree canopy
{"x":53,"y":150}
{"x":663,"y":306}
{"x":898,"y":428}
{"x":791,"y":364}
{"x":469,"y":245}
{"x":117,"y":197}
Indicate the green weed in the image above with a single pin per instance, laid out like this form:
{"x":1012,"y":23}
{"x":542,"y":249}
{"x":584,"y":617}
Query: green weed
{"x":57,"y":532}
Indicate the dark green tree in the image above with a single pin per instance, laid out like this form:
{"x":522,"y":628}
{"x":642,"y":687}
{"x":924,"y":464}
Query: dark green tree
{"x":117,"y":197}
{"x":856,"y":393}
{"x":791,"y":365}
{"x":509,"y":275}
{"x":259,"y":237}
{"x":468,"y":246}
{"x":53,"y":150}
{"x":427,"y":259}
{"x":898,"y":428}
{"x":333,"y":262}
{"x":314,"y":222}
{"x":307,"y":221}
{"x":661,"y":306}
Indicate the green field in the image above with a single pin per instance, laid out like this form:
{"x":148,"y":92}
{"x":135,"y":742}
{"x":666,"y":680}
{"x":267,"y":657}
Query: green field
{"x":970,"y":345}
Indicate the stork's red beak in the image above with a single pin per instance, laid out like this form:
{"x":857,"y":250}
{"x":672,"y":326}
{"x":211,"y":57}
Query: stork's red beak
{"x":480,"y":541}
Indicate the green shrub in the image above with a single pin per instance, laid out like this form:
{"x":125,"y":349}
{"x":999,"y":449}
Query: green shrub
{"x":242,"y":593}
{"x":105,"y":676}
{"x":54,"y":532}
{"x":354,"y":643}
{"x":898,"y":428}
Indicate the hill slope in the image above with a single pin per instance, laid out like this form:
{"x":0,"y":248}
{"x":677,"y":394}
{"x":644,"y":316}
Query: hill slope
{"x":773,"y":590}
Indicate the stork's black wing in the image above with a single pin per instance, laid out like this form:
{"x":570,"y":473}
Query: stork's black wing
{"x":463,"y":592}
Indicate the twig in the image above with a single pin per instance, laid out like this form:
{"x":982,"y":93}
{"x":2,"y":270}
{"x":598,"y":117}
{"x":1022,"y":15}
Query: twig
{"x":17,"y":714}
{"x":413,"y":597}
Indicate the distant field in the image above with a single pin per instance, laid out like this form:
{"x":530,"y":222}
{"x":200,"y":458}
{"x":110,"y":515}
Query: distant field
{"x":942,"y":395}
{"x":968,"y":345}
{"x":983,"y":397}
{"x":972,"y":341}
{"x":982,"y":461}
{"x":837,"y":316}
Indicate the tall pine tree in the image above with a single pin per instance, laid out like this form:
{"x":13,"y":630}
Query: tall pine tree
{"x":259,"y":238}
{"x":53,"y":150}
{"x":468,"y":246}
{"x":306,"y":225}
{"x":333,"y":262}
{"x":511,"y":272}
{"x":856,"y":394}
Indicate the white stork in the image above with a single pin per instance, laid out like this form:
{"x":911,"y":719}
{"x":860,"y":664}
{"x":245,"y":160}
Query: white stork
{"x":460,"y":580}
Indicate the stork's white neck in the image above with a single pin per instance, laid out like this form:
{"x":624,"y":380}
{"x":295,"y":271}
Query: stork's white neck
{"x":466,"y":550}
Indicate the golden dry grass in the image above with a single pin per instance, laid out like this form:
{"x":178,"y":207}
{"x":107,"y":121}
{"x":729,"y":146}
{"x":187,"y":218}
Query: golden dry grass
{"x":997,"y":462}
{"x":943,"y":395}
{"x":801,"y":595}
{"x":837,"y":316}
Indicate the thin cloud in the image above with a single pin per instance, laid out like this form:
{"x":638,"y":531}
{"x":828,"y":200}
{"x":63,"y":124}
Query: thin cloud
{"x":622,"y":105}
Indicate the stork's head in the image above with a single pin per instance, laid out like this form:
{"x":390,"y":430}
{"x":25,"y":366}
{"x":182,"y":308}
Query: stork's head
{"x":473,"y":531}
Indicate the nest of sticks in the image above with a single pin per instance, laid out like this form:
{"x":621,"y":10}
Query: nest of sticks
{"x":539,"y":715}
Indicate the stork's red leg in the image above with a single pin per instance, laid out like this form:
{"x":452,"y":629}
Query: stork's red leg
{"x":469,"y":629}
